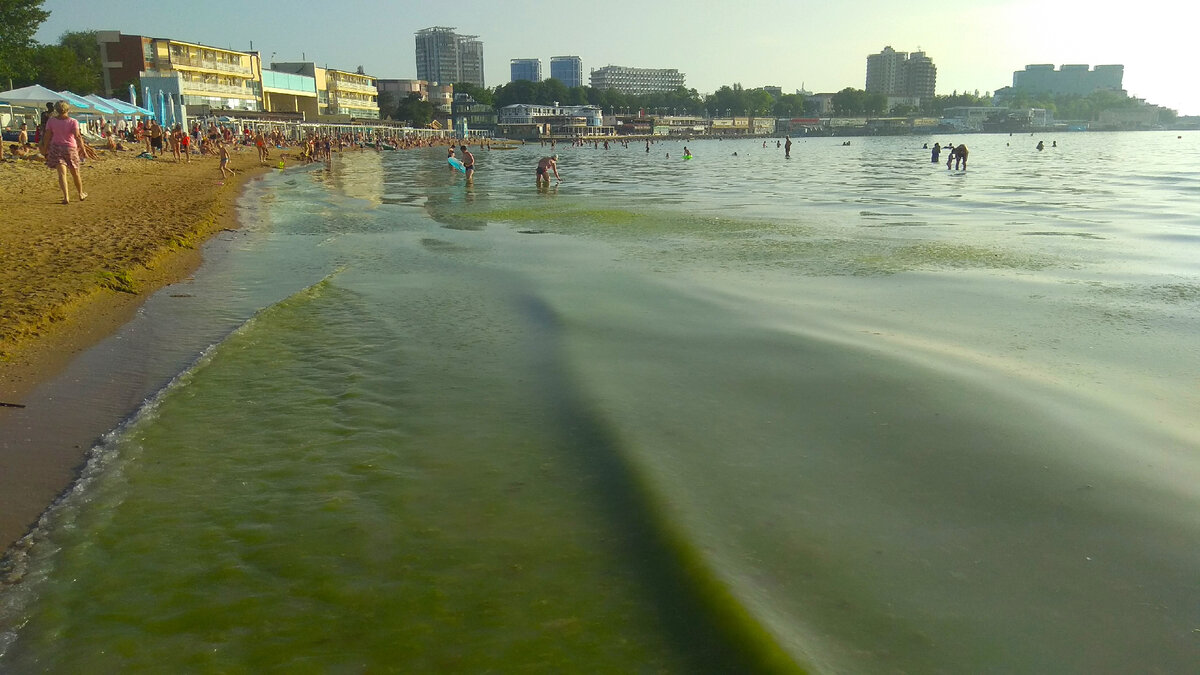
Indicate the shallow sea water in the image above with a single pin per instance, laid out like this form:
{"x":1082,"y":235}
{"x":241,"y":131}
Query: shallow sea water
{"x":848,"y":412}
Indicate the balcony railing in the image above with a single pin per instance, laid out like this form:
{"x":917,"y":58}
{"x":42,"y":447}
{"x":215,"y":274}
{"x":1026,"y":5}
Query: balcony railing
{"x":243,"y":92}
{"x":343,"y":85}
{"x":210,"y":64}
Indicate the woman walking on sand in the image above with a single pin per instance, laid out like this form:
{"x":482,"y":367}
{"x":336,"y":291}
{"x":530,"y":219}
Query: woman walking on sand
{"x":62,"y":145}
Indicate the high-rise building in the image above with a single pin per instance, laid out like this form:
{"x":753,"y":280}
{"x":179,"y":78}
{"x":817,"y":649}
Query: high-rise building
{"x":1071,"y":79}
{"x":470,"y":58}
{"x":568,"y":70}
{"x":446,"y":57}
{"x":901,"y":74}
{"x":920,"y":76}
{"x":525,"y":69}
{"x":636,"y":80}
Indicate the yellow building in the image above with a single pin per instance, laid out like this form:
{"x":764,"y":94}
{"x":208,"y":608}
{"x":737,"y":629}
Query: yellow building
{"x":290,"y":92}
{"x":198,"y":77}
{"x":353,"y":94}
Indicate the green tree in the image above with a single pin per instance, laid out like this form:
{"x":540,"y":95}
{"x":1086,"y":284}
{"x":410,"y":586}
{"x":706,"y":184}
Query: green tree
{"x":789,"y":105}
{"x":85,"y":46}
{"x":758,"y":102}
{"x":551,"y":90}
{"x":956,"y":100}
{"x":387,"y":104}
{"x":19,"y":20}
{"x":480,"y":94}
{"x":576,"y":96}
{"x":518,"y":91}
{"x":726,"y":101}
{"x":416,"y":112}
{"x":849,"y":102}
{"x":73,"y":64}
{"x":874,"y":104}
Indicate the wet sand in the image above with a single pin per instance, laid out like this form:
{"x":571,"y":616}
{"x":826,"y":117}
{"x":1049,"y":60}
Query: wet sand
{"x":72,"y":274}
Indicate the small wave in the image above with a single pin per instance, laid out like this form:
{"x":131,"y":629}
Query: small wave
{"x":31,"y":558}
{"x":1081,"y":235}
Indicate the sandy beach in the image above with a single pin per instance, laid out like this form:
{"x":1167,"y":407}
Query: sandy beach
{"x":71,"y":274}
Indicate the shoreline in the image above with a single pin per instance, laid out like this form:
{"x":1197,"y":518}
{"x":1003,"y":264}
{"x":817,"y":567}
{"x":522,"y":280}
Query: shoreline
{"x":71,"y":276}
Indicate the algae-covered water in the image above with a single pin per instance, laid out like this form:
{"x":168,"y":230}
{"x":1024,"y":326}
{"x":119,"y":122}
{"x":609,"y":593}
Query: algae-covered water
{"x":848,"y":412}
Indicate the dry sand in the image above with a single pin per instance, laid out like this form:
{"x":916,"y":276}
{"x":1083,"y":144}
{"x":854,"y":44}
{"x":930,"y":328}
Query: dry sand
{"x":71,"y":274}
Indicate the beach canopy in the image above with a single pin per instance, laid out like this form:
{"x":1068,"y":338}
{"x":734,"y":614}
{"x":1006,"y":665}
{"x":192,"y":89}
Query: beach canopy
{"x":35,"y":95}
{"x":117,"y":107}
{"x":83,"y":104}
{"x":123,"y":107}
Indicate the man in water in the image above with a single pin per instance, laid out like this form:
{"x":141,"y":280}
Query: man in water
{"x":937,"y":152}
{"x":787,"y":147}
{"x":468,"y":161}
{"x":544,"y":167}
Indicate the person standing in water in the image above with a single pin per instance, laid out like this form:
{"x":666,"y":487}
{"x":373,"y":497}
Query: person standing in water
{"x":468,"y":161}
{"x":936,"y":153}
{"x":544,"y":167}
{"x":787,"y":147}
{"x":958,"y":156}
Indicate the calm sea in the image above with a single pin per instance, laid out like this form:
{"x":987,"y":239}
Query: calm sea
{"x":849,"y":412}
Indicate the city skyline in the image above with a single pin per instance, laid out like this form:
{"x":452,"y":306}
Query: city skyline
{"x":820,"y":48}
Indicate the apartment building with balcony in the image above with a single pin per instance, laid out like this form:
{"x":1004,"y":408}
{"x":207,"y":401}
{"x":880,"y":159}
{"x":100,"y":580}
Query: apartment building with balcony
{"x":339,"y":94}
{"x":352,"y":93}
{"x":446,"y":57}
{"x":197,"y":78}
{"x":909,"y":78}
{"x":636,"y":80}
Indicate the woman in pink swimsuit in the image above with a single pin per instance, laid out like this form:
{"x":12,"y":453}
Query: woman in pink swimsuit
{"x":62,"y":146}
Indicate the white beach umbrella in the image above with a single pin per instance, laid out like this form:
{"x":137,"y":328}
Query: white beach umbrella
{"x":33,"y":95}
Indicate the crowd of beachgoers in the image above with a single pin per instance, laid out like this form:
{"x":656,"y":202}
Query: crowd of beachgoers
{"x":207,"y":139}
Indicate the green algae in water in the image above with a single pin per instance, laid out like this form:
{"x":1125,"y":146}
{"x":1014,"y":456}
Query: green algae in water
{"x":941,"y":255}
{"x":343,"y":493}
{"x":627,"y":223}
{"x":684,"y":239}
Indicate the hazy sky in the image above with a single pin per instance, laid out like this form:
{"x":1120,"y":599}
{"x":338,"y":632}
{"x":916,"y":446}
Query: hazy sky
{"x":976,"y":44}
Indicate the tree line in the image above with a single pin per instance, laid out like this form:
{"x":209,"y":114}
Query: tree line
{"x":726,"y":101}
{"x":72,"y":64}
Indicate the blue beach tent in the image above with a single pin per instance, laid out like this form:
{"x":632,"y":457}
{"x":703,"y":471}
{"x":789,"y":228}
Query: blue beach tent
{"x":84,"y":105}
{"x":134,"y":108}
{"x":120,"y":108}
